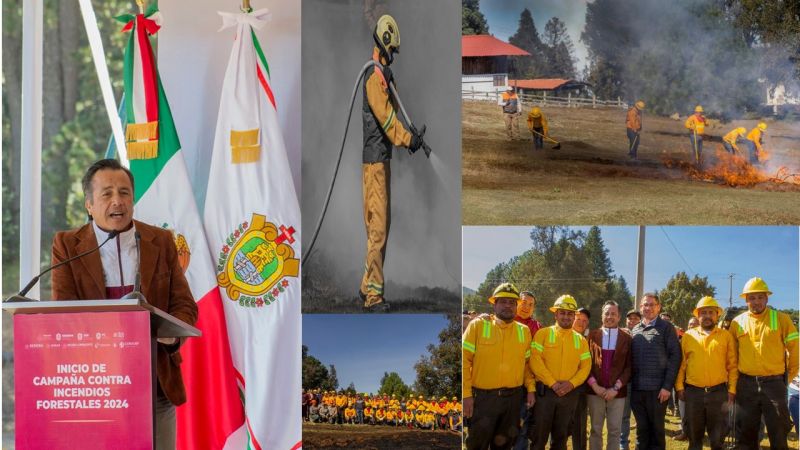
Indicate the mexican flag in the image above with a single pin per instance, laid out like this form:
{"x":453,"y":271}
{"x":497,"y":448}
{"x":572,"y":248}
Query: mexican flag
{"x":252,"y":222}
{"x":163,"y":197}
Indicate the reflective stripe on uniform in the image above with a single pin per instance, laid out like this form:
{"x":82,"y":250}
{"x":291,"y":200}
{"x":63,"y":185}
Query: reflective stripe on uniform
{"x":585,"y":355}
{"x":470,"y":347}
{"x":576,"y":339}
{"x":552,"y":337}
{"x":527,"y":354}
{"x":791,"y":337}
{"x":773,"y":319}
{"x":520,"y":333}
{"x":537,"y":346}
{"x":389,"y":120}
{"x":487,"y":329}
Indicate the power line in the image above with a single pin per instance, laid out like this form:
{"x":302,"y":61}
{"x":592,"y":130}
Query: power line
{"x":677,"y":251}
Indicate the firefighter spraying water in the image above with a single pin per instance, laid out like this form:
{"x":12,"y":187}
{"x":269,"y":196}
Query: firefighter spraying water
{"x":382,"y":130}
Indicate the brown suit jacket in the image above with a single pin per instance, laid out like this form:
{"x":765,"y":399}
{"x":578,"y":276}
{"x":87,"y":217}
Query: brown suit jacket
{"x":620,"y":364}
{"x":163,"y":285}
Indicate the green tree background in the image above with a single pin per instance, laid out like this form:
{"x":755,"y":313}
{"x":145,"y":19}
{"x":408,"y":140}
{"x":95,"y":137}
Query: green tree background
{"x":472,"y":19}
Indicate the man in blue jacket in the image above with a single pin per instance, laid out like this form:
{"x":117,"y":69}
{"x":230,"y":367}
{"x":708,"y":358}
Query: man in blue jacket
{"x":656,"y":358}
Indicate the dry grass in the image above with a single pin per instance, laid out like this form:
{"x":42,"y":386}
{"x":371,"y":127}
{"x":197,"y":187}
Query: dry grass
{"x":319,"y":436}
{"x":592,"y":181}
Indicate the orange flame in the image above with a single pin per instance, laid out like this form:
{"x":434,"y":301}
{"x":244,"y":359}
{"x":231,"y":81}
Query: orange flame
{"x":733,"y":170}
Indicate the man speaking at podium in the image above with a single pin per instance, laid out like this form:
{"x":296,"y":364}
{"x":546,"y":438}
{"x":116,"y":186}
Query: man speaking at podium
{"x":114,"y":270}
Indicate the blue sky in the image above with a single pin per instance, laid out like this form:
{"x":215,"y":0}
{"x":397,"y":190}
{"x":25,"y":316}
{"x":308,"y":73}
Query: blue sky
{"x":715,"y":252}
{"x":503,"y":18}
{"x":364,"y":346}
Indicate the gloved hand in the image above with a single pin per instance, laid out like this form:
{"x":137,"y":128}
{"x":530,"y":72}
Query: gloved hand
{"x":416,"y":139}
{"x":387,"y":75}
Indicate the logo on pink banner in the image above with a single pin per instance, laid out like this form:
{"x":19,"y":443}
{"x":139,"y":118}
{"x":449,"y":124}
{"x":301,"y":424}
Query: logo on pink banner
{"x":83,"y":380}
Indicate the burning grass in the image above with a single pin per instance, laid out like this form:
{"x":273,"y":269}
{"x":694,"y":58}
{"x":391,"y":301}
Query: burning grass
{"x":735,"y":171}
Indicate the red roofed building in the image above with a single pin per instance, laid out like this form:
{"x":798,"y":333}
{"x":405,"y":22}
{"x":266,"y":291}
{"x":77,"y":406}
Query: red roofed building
{"x":549,"y":85}
{"x":485,"y":62}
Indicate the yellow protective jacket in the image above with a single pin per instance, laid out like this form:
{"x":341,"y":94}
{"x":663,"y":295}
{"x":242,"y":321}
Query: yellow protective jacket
{"x":764,"y":341}
{"x":538,"y":122}
{"x":756,"y":135}
{"x":695,"y":122}
{"x":708,"y":359}
{"x":495,"y":355}
{"x":634,"y":119}
{"x":560,"y":355}
{"x":732,"y":137}
{"x":382,"y":128}
{"x":341,"y":400}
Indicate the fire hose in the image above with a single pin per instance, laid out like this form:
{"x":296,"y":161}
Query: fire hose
{"x":408,"y":121}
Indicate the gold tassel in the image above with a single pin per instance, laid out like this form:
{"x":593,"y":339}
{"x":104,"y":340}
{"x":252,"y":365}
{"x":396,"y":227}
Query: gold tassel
{"x":245,"y":154}
{"x":142,"y":150}
{"x":244,"y":138}
{"x":141,"y":131}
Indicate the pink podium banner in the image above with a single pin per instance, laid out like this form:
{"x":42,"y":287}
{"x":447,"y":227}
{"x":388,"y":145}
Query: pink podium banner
{"x":83,"y":380}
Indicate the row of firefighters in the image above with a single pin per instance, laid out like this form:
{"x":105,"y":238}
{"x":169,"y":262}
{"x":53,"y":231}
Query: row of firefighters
{"x":518,"y":374}
{"x":737,"y":141}
{"x":411,"y":412}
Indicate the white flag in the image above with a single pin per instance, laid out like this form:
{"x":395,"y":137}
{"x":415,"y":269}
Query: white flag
{"x":252,"y":222}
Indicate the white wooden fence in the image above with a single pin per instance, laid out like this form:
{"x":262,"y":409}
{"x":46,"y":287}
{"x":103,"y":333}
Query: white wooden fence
{"x":548,"y":100}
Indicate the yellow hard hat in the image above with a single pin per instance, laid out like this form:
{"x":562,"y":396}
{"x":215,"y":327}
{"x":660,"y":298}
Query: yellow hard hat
{"x":640,"y":104}
{"x":741,"y":130}
{"x":536,"y":112}
{"x":706,"y":302}
{"x":387,"y":36}
{"x":505,"y":290}
{"x":698,"y":108}
{"x":454,"y":398}
{"x":441,"y":399}
{"x":565,"y":302}
{"x":762,"y":126}
{"x":754,"y":285}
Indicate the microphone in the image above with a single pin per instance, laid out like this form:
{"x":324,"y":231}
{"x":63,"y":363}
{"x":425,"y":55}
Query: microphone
{"x":20,"y":297}
{"x":137,"y":284}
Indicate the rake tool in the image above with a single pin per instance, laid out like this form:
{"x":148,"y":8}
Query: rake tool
{"x":557,"y":144}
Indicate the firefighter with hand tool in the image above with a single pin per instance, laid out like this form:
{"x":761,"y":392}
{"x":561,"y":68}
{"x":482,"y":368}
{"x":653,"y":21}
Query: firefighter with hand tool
{"x":755,"y":140}
{"x":560,"y":362}
{"x":382,"y":131}
{"x":769,"y":355}
{"x":633,"y":125}
{"x":696,"y":124}
{"x":496,"y":375}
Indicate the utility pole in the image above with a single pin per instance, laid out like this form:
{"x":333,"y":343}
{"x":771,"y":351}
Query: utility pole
{"x":640,"y":267}
{"x":730,"y":291}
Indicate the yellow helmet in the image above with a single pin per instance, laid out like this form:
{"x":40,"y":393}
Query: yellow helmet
{"x":698,"y":108}
{"x":536,"y":112}
{"x":505,"y":290}
{"x":754,"y":285}
{"x":387,"y":36}
{"x":762,"y":126}
{"x":741,"y":130}
{"x":565,"y":302}
{"x":706,"y":302}
{"x":639,"y":104}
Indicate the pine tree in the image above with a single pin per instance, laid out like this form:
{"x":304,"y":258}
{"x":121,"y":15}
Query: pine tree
{"x":559,"y":50}
{"x":527,"y":38}
{"x":472,"y":19}
{"x":439,"y":372}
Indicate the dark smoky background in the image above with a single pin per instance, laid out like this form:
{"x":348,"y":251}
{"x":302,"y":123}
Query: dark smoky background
{"x":423,"y":255}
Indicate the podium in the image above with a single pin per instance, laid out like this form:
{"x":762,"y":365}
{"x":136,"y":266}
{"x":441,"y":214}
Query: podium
{"x":85,"y":372}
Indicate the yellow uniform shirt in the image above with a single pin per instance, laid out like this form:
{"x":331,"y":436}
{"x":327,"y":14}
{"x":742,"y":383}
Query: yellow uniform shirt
{"x":755,"y":135}
{"x":538,"y":122}
{"x":382,"y":106}
{"x":341,"y":400}
{"x":708,"y":359}
{"x":732,"y":137}
{"x":495,"y":355}
{"x":695,"y":123}
{"x":764,"y":340}
{"x":560,"y":355}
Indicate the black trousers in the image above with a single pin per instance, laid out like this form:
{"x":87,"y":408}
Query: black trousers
{"x":553,"y":417}
{"x":495,"y":419}
{"x":704,"y":413}
{"x":756,"y":397}
{"x":578,"y":431}
{"x":650,"y":415}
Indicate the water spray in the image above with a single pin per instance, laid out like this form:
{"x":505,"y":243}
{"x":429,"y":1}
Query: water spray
{"x":413,"y":129}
